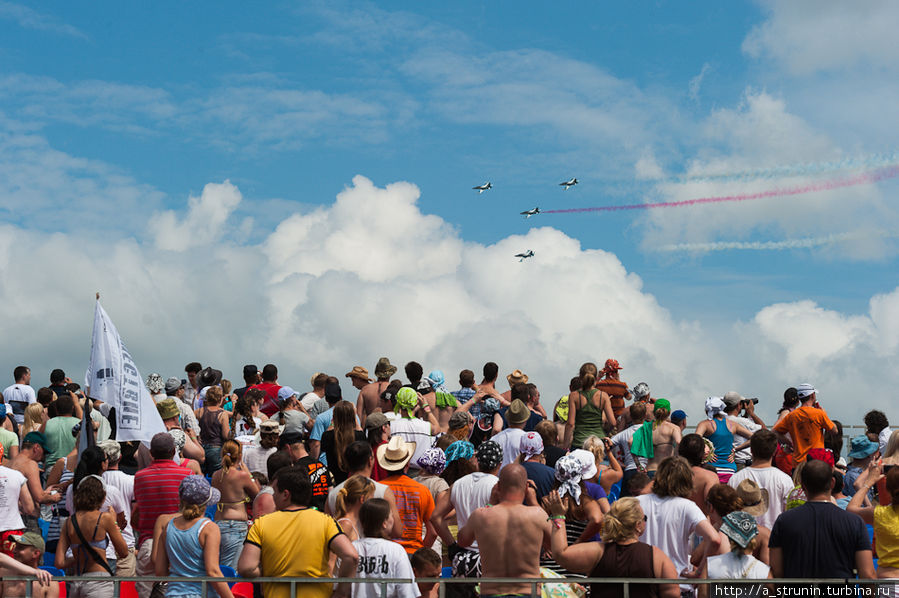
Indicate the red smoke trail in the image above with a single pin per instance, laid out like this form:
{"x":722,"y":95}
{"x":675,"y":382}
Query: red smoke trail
{"x":862,"y":179}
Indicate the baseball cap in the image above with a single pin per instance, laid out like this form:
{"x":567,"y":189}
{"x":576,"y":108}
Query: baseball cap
{"x":732,"y":398}
{"x":678,"y":416}
{"x":172,"y":385}
{"x":36,"y":438}
{"x":291,"y":436}
{"x":375,"y":420}
{"x":29,"y":539}
{"x":803,"y":391}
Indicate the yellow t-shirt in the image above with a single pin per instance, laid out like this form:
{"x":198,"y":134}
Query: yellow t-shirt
{"x":294,"y":544}
{"x":886,"y":530}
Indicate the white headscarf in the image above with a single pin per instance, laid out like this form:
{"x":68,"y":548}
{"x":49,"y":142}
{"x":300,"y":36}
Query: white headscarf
{"x":714,"y":406}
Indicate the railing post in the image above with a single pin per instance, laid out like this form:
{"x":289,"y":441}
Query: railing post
{"x":383,"y":585}
{"x":293,"y":588}
{"x":627,"y":590}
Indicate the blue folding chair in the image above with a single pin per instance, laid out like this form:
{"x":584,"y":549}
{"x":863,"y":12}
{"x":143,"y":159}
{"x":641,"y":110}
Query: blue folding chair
{"x":229,"y":572}
{"x":53,"y":571}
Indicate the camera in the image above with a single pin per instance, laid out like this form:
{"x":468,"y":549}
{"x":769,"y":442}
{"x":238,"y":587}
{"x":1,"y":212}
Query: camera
{"x":753,"y":400}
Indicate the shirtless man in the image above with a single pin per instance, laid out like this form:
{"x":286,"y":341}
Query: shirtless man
{"x":28,"y":549}
{"x":692,"y":448}
{"x":369,"y":400}
{"x":665,"y":436}
{"x":32,"y":452}
{"x":510,"y":534}
{"x":488,"y":383}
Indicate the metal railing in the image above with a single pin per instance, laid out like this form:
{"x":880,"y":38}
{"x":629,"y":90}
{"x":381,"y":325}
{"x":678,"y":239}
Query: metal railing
{"x":771,"y":587}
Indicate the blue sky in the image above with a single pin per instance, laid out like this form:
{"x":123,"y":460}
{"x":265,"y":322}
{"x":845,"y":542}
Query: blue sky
{"x":112,"y":116}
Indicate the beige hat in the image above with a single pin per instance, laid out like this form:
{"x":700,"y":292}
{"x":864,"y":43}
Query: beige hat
{"x":395,"y":454}
{"x":517,"y":377}
{"x":168,"y":408}
{"x":755,"y":499}
{"x":359,"y":372}
{"x":518,"y":412}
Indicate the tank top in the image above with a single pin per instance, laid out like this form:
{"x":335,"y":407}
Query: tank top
{"x":886,"y":530}
{"x":587,"y":421}
{"x":186,"y":558}
{"x":211,"y":428}
{"x":628,"y":560}
{"x":723,"y":439}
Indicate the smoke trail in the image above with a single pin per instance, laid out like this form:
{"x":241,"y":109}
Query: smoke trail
{"x":861,"y":179}
{"x":805,"y":243}
{"x":866,"y":162}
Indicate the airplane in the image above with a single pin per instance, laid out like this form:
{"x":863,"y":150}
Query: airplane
{"x":568,"y":183}
{"x":529,"y":213}
{"x":525,"y":255}
{"x":484,"y":187}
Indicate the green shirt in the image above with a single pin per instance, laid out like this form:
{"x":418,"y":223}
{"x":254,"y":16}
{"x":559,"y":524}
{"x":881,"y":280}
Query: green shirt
{"x":7,"y":439}
{"x":60,"y":441}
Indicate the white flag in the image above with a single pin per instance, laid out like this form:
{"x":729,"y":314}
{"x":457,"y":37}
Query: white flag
{"x":113,"y":378}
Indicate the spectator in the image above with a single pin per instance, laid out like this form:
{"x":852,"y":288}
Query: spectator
{"x":817,"y":538}
{"x":671,"y":517}
{"x":296,"y":541}
{"x":88,"y":532}
{"x":256,"y":455}
{"x":612,"y":385}
{"x":589,"y":410}
{"x":610,"y":474}
{"x":722,"y":432}
{"x":773,"y":482}
{"x":409,"y":425}
{"x":58,"y":431}
{"x":877,"y":427}
{"x":355,"y":491}
{"x":237,"y":488}
{"x":467,"y":389}
{"x":124,"y":483}
{"x":214,"y":429}
{"x":250,"y":378}
{"x":192,"y":389}
{"x":692,"y":448}
{"x":534,"y":463}
{"x":413,"y":500}
{"x":15,"y":500}
{"x":270,"y":387}
{"x":369,"y":400}
{"x":319,"y":476}
{"x":185,"y":545}
{"x":806,"y":425}
{"x":552,"y":452}
{"x":379,"y":557}
{"x":862,"y":451}
{"x":20,"y":394}
{"x":377,"y":431}
{"x":28,"y":552}
{"x":426,"y":563}
{"x":175,"y":389}
{"x":734,"y":404}
{"x":742,"y":534}
{"x":155,"y":493}
{"x":335,"y":440}
{"x":517,"y":415}
{"x":620,"y":554}
{"x":187,"y":451}
{"x":510,"y":535}
{"x":884,"y":518}
{"x":27,"y":463}
{"x":658,"y":439}
{"x":621,"y":444}
{"x":333,"y":395}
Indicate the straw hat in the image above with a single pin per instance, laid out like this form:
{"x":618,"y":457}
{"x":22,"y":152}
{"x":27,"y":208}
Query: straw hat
{"x":395,"y":454}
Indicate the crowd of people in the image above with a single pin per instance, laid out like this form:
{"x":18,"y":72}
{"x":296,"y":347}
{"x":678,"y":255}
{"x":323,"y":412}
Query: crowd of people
{"x":406,"y":479}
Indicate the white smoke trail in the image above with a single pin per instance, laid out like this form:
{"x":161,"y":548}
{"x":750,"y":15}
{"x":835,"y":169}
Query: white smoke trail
{"x":804,"y":243}
{"x":858,"y":162}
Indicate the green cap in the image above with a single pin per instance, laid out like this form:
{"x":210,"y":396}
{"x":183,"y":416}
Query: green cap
{"x":29,"y":539}
{"x":36,"y":438}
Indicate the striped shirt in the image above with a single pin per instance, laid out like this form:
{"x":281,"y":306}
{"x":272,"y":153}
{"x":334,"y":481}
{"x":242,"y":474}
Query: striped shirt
{"x":156,"y":493}
{"x":463,"y":395}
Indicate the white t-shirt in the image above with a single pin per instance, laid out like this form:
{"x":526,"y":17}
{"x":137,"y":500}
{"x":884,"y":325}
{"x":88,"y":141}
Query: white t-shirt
{"x":17,"y":397}
{"x":743,"y":454}
{"x":380,"y":558}
{"x":669,"y":523}
{"x":242,"y":428}
{"x":309,"y":400}
{"x":728,"y":566}
{"x":11,"y":483}
{"x":510,"y":441}
{"x":777,"y":483}
{"x":470,"y":493}
{"x":413,"y":430}
{"x":622,"y":443}
{"x":380,"y":490}
{"x":256,"y":458}
{"x":883,"y":438}
{"x":124,"y":483}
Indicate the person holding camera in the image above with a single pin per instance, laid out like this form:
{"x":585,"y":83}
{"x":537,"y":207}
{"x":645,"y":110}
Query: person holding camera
{"x":742,"y":411}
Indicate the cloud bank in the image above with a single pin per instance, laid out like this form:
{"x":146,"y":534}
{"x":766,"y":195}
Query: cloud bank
{"x":372,"y":275}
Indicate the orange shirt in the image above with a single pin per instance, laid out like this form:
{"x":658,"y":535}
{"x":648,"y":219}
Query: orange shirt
{"x":806,"y":426}
{"x":617,"y":390}
{"x":415,"y":504}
